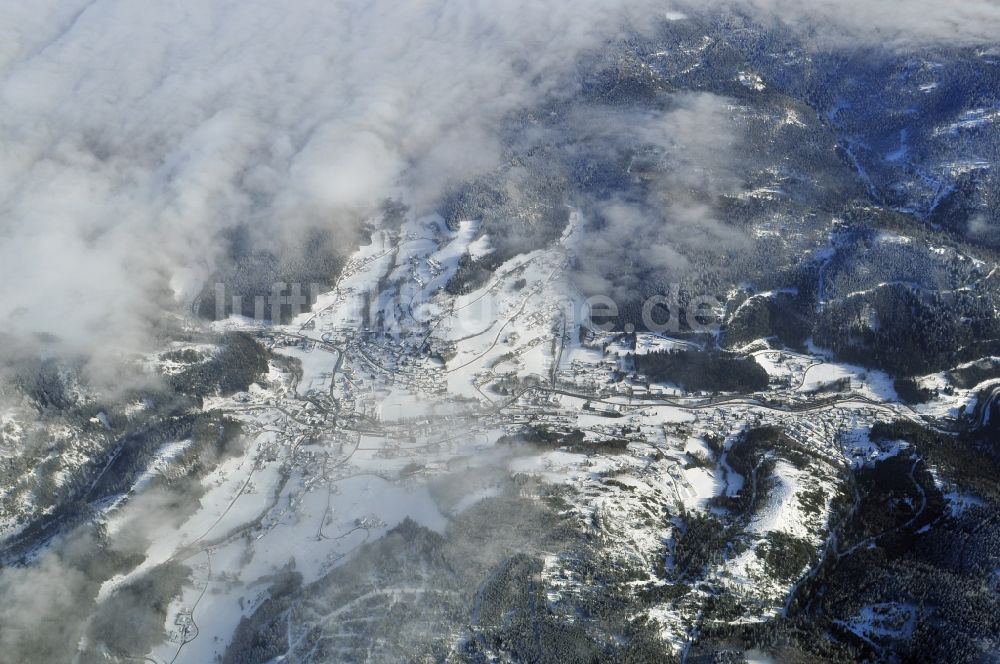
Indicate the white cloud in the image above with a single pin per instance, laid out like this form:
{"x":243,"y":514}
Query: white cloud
{"x":903,"y":23}
{"x":133,"y":134}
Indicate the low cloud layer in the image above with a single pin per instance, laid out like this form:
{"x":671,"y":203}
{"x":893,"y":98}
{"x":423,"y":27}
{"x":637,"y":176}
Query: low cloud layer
{"x":899,"y":23}
{"x":136,"y":135}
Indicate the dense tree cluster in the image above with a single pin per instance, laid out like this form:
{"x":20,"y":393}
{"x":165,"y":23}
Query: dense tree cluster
{"x":250,"y":272}
{"x":974,"y":373}
{"x":786,"y":317}
{"x":911,"y":392}
{"x":573,"y":440}
{"x":46,"y":383}
{"x":701,"y":540}
{"x":971,"y":459}
{"x":907,"y":331}
{"x":239,"y":362}
{"x":904,"y":554}
{"x":696,"y":371}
